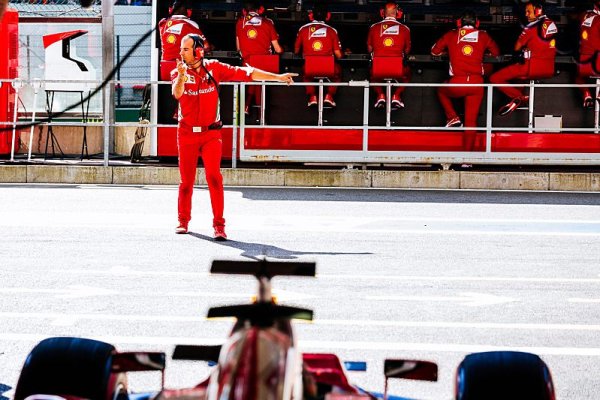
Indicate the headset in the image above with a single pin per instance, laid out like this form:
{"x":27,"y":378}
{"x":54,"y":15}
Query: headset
{"x":251,"y":6}
{"x":177,"y":4}
{"x":538,"y":9}
{"x":389,"y":5}
{"x":198,"y":43}
{"x":319,"y":11}
{"x":467,"y":18}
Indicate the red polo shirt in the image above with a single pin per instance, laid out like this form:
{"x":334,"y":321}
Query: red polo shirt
{"x":466,"y":47}
{"x":317,"y":39}
{"x":255,"y":34}
{"x":389,"y":38}
{"x":199,"y":104}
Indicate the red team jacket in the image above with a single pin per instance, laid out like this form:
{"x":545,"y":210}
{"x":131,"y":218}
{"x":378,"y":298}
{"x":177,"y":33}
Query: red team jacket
{"x":589,"y":39}
{"x":538,"y":39}
{"x":466,"y":47}
{"x":171,"y":31}
{"x":317,"y":39}
{"x":199,"y":104}
{"x":389,"y":38}
{"x":255,"y":34}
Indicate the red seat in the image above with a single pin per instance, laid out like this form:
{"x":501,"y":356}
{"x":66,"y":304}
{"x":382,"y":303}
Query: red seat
{"x":267,"y":62}
{"x":387,"y":68}
{"x":319,"y":66}
{"x":165,"y":69}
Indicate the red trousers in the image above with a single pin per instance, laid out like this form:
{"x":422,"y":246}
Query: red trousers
{"x":509,"y":73}
{"x":473,"y":96}
{"x":207,"y":145}
{"x":331,"y":90}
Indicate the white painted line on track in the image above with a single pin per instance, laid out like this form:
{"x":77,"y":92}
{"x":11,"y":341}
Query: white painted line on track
{"x":120,"y":271}
{"x":328,"y":345}
{"x":582,"y":300}
{"x":466,"y":299}
{"x":81,"y":291}
{"x":61,"y":319}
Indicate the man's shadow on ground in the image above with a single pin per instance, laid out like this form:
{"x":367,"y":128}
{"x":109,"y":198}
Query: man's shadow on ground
{"x":3,"y":389}
{"x":257,"y":251}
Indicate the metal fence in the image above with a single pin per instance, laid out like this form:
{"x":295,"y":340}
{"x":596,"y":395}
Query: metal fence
{"x":130,"y":24}
{"x":55,"y":9}
{"x":489,"y":155}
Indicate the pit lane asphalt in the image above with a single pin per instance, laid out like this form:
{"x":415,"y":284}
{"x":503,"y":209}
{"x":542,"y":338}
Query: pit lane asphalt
{"x":425,"y":274}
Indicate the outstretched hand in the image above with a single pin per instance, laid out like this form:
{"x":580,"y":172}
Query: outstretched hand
{"x":287,"y":77}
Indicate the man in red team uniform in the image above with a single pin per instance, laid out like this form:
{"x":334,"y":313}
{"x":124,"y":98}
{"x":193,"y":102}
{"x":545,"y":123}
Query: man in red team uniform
{"x":537,"y":48}
{"x":589,"y":49}
{"x":389,"y":38}
{"x":466,"y":47}
{"x":255,"y":35}
{"x":319,"y":39}
{"x":195,"y":83}
{"x":172,"y":29}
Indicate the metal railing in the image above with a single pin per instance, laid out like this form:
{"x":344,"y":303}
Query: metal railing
{"x":362,"y":156}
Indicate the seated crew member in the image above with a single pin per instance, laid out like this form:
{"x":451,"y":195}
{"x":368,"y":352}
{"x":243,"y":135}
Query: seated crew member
{"x":195,"y":84}
{"x":589,"y":49}
{"x":255,"y":35}
{"x":466,"y":47}
{"x":319,"y":39}
{"x":390,"y":38}
{"x":536,"y":49}
{"x":172,"y":29}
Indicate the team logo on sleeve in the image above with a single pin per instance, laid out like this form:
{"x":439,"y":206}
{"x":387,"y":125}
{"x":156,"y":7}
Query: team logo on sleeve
{"x":388,"y":42}
{"x":252,"y":34}
{"x":315,"y":33}
{"x":550,"y":29}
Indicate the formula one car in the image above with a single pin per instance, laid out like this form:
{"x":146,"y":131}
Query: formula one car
{"x":260,"y":361}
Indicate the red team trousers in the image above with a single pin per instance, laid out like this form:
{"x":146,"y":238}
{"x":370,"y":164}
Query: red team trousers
{"x":473,"y":96}
{"x":208,"y":146}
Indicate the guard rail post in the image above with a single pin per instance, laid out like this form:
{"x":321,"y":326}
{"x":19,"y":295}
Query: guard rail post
{"x":365,"y":120}
{"x":242,"y":119}
{"x":106,"y":125}
{"x":16,"y":84}
{"x":488,"y":118}
{"x":234,"y":133}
